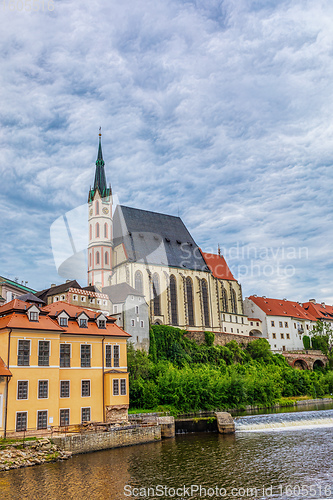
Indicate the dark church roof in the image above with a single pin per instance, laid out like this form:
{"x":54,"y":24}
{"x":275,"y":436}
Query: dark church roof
{"x":119,"y":293}
{"x":157,"y":239}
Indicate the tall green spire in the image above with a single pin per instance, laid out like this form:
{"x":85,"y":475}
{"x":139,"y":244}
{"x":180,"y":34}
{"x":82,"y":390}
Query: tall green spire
{"x":100,"y":178}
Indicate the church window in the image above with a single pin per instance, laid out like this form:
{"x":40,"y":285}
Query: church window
{"x":127,"y":276}
{"x":190,"y":304}
{"x":97,"y":230}
{"x":204,"y":290}
{"x":105,"y":230}
{"x":106,"y":258}
{"x":233,"y":302}
{"x":97,"y":257}
{"x":138,"y":277}
{"x":173,"y":300}
{"x":224,"y":300}
{"x":97,"y":208}
{"x":90,"y":231}
{"x":156,"y":295}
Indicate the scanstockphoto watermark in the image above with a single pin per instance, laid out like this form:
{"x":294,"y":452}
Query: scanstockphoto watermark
{"x":296,"y":491}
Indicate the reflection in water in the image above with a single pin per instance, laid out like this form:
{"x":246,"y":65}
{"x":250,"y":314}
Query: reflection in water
{"x":244,"y":460}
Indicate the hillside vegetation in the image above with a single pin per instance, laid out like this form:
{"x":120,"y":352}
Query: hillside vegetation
{"x":180,"y":375}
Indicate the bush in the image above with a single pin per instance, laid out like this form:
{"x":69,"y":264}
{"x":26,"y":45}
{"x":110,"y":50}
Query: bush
{"x":209,"y":338}
{"x":184,"y":376}
{"x":306,"y":342}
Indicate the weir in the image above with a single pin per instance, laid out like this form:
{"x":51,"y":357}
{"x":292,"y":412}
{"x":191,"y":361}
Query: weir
{"x":284,"y":421}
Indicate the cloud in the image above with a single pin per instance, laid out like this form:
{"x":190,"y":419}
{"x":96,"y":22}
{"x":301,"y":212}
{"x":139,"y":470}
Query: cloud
{"x":219,"y":111}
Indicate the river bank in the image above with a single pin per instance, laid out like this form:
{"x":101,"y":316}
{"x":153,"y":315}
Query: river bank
{"x":17,"y":454}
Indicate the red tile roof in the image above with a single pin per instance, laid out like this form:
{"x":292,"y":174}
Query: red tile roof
{"x":72,"y":310}
{"x":20,"y":320}
{"x":218,"y":266}
{"x":254,"y":319}
{"x":4,"y":372}
{"x":277,"y":307}
{"x":319,"y":311}
{"x":15,"y":317}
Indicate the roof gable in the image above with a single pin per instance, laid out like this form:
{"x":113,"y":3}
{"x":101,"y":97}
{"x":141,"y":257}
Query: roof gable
{"x":218,"y":266}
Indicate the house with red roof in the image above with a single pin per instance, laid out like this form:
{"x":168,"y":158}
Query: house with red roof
{"x":284,"y":322}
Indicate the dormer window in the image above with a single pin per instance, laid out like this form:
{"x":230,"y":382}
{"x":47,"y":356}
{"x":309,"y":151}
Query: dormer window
{"x":63,"y":321}
{"x":83,"y":323}
{"x":101,"y":323}
{"x":33,"y":316}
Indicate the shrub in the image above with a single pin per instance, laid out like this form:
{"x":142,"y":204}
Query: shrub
{"x":306,"y":342}
{"x":209,"y":338}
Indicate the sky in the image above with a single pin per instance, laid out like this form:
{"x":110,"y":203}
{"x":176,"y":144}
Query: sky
{"x":217,"y":111}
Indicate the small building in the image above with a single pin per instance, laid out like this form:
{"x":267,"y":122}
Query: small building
{"x":72,"y":293}
{"x":283,"y":322}
{"x":321,"y":311}
{"x":130,"y":309}
{"x":61,"y":365}
{"x":10,"y":289}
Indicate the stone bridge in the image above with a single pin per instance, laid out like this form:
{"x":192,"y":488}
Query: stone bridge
{"x":305,"y":360}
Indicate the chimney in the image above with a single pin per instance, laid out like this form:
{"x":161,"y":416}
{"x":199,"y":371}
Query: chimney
{"x":68,"y":281}
{"x":53,"y":285}
{"x":323,"y":304}
{"x":312,"y":300}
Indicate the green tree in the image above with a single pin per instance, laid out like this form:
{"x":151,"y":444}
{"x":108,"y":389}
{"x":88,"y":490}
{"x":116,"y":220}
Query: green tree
{"x":322,"y":337}
{"x":260,"y":349}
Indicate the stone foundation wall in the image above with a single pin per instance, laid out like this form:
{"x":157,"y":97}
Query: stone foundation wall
{"x":116,"y":414}
{"x":95,"y":441}
{"x":220,"y":338}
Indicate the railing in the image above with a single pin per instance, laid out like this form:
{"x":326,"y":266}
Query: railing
{"x":82,"y":428}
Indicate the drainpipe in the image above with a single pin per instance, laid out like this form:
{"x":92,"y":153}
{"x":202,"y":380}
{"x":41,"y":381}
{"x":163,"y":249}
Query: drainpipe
{"x":7,"y":381}
{"x":103,"y":378}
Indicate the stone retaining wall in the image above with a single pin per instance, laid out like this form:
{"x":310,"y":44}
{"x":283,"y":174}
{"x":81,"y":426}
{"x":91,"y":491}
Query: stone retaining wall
{"x":95,"y":441}
{"x":220,"y":338}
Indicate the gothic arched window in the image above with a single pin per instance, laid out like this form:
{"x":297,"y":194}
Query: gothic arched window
{"x":106,"y":258}
{"x":97,"y":208}
{"x":105,"y":230}
{"x":156,"y":295}
{"x":138,"y":278}
{"x":190,"y":304}
{"x":224,"y":300}
{"x":204,"y":290}
{"x":233,"y":302}
{"x":173,"y":300}
{"x":97,"y":257}
{"x":90,"y":231}
{"x":97,"y":230}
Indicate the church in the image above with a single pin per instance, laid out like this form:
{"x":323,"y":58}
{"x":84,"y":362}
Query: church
{"x":155,"y":255}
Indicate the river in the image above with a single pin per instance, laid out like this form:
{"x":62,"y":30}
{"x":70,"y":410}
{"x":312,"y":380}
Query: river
{"x":281,"y":456}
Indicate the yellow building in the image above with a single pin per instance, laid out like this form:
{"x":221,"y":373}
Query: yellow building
{"x":63,"y":365}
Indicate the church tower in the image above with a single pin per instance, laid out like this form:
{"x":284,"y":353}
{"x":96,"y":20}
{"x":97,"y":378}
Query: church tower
{"x":100,"y":226}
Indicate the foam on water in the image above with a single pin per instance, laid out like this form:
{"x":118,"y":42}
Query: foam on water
{"x":285,"y":421}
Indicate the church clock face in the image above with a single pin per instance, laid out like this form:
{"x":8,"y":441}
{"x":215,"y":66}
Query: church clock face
{"x":105,"y":210}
